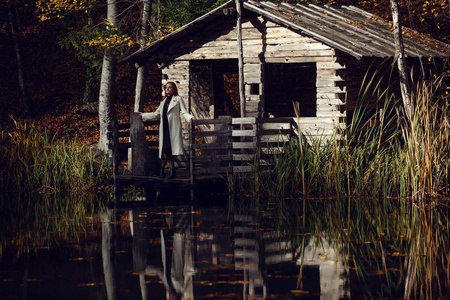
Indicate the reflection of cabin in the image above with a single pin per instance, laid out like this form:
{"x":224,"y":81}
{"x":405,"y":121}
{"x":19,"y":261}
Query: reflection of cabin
{"x":314,"y":54}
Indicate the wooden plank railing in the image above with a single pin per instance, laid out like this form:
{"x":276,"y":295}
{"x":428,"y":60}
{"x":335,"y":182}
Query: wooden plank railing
{"x":124,"y":135}
{"x":233,"y":145}
{"x":224,"y":145}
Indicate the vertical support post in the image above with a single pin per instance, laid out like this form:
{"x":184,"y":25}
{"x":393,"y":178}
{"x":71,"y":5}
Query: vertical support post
{"x":113,"y":144}
{"x":144,"y":161}
{"x":191,"y":159}
{"x":240,"y":56}
{"x":191,"y":153}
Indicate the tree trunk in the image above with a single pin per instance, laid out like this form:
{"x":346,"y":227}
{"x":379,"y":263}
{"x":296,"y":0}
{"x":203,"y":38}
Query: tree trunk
{"x":400,"y":57}
{"x":143,"y":40}
{"x":87,"y":95}
{"x":25,"y":104}
{"x":106,"y":111}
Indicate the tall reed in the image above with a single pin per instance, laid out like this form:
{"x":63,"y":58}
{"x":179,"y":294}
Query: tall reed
{"x":380,"y":153}
{"x":34,"y":161}
{"x":427,"y":136}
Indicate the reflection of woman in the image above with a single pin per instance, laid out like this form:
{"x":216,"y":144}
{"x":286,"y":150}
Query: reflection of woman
{"x":176,"y":257}
{"x":170,"y":139}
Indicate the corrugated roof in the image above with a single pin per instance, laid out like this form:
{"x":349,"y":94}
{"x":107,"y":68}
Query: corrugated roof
{"x":347,"y":28}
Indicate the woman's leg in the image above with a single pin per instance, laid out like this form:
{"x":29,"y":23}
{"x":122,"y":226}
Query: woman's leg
{"x":172,"y":167}
{"x":164,"y":158}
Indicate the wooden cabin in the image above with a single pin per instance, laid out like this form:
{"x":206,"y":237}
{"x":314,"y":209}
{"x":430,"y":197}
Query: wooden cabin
{"x":316,"y":55}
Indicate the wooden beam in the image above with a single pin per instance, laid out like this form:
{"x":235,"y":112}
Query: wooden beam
{"x":240,"y":56}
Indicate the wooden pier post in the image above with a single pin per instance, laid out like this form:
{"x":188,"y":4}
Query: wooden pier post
{"x":144,"y":160}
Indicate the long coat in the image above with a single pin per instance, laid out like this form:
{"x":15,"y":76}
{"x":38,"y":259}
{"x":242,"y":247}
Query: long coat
{"x":175,"y":110}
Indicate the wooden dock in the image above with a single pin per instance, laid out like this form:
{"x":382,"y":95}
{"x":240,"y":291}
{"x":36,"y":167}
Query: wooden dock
{"x":158,"y":189}
{"x":216,"y":150}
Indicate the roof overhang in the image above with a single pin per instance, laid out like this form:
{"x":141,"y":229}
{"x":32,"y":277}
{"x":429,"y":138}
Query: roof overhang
{"x":150,"y":52}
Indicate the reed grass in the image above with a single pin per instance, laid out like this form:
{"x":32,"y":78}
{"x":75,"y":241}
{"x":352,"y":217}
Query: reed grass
{"x":382,"y":154}
{"x":38,"y":162}
{"x":48,"y":188}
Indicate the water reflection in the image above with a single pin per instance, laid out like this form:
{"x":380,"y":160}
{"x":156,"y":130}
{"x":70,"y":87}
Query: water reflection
{"x":189,"y":252}
{"x":195,"y":253}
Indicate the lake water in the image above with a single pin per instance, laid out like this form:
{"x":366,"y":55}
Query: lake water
{"x":206,"y":252}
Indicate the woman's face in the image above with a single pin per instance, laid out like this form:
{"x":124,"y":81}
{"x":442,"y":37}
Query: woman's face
{"x":169,"y":89}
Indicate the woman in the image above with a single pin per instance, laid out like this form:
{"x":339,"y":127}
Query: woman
{"x":170,"y":139}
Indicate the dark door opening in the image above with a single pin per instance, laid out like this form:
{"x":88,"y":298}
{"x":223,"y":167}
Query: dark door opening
{"x":287,"y":82}
{"x":214,"y":87}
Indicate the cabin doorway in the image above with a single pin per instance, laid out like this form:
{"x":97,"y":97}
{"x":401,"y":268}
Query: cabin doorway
{"x":214,"y":88}
{"x":287,"y":82}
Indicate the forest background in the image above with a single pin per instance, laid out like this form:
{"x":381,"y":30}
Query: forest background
{"x":62,"y":44}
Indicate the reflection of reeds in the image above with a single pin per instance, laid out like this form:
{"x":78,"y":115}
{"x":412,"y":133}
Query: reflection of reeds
{"x":32,"y":221}
{"x":394,"y":250}
{"x":427,"y":269}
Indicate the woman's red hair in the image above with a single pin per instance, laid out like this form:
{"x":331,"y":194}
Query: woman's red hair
{"x":175,"y":89}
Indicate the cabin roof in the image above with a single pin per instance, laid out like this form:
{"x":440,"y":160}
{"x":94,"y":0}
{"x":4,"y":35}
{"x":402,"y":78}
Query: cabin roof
{"x":347,"y":28}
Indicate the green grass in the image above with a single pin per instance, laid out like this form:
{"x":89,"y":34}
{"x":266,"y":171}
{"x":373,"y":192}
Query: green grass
{"x":32,"y":161}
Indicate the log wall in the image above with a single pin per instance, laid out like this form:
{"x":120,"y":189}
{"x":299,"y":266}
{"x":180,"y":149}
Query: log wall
{"x":263,"y":42}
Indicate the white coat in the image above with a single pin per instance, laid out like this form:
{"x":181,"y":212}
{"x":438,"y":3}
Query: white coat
{"x":175,"y":110}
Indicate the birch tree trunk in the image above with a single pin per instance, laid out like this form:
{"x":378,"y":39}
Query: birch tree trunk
{"x":143,"y":40}
{"x":400,"y":57}
{"x":106,"y":111}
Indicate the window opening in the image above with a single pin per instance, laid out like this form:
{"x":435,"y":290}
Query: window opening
{"x":287,"y":82}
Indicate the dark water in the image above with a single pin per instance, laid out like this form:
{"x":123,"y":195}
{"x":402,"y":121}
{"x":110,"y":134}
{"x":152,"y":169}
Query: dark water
{"x":191,"y":252}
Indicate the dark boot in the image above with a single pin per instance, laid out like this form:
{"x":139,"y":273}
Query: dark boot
{"x":161,"y":172}
{"x":172,"y":174}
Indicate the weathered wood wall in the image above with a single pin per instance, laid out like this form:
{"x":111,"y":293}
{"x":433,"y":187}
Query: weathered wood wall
{"x":264,"y":42}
